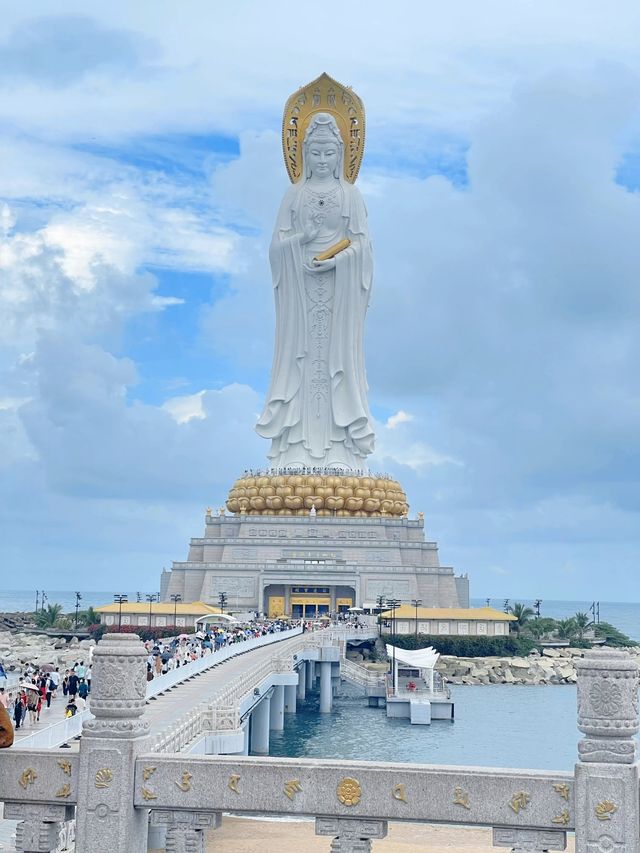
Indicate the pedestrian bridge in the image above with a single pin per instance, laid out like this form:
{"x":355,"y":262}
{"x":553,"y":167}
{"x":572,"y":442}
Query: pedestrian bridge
{"x":206,"y":706}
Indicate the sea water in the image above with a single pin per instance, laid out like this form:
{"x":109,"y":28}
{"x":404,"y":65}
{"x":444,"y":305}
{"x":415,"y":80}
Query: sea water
{"x":518,"y":726}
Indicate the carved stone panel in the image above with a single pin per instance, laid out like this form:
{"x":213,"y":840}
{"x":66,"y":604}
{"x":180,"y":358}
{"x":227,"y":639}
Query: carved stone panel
{"x":536,"y":840}
{"x":351,"y":835}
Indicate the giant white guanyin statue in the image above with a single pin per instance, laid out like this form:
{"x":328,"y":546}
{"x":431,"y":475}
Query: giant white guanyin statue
{"x":316,"y":412}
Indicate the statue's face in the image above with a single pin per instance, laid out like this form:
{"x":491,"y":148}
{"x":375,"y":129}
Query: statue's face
{"x":322,"y":158}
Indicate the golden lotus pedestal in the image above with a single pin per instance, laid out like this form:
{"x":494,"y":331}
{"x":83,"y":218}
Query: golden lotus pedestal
{"x":332,"y":494}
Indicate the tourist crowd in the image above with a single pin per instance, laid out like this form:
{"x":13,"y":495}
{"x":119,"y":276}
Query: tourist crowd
{"x":167,"y":655}
{"x":42,"y":686}
{"x":39,"y":687}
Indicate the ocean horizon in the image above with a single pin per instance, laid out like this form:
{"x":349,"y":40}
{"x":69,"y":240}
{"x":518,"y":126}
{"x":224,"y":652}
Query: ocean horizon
{"x":623,"y":615}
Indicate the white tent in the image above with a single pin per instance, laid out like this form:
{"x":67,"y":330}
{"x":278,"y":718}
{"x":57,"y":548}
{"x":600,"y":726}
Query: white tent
{"x":420,"y":658}
{"x":216,"y":619}
{"x":423,"y":659}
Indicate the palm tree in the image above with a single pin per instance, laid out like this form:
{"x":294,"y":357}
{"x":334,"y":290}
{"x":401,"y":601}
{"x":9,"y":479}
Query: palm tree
{"x":48,"y":618}
{"x":567,"y":629}
{"x":582,"y":621}
{"x":522,"y":613}
{"x":536,"y":628}
{"x":89,"y":616}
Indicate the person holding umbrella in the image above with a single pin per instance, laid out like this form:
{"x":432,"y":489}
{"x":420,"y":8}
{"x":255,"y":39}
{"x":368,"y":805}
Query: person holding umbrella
{"x":18,"y":711}
{"x":31,"y":695}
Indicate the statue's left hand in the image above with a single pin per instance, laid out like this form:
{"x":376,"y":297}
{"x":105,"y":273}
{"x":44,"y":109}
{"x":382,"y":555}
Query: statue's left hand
{"x":320,"y":266}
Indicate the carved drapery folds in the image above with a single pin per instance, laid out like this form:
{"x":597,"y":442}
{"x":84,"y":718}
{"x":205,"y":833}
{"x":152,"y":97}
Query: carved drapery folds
{"x":351,"y":835}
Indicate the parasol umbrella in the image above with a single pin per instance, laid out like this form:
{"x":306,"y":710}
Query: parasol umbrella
{"x":355,"y":610}
{"x":183,"y":636}
{"x":26,"y":685}
{"x":47,"y":667}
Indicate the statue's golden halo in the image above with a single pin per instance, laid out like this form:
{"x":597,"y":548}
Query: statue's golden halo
{"x":323,"y":95}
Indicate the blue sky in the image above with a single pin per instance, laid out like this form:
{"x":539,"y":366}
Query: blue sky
{"x":140,"y":174}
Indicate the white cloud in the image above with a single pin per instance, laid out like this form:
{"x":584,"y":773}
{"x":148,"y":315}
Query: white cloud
{"x":400,"y":417}
{"x":183,"y":409}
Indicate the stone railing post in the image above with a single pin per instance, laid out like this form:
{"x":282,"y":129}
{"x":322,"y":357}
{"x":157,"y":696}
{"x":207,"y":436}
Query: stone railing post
{"x":106,"y":821}
{"x":607,"y":809}
{"x":351,"y":835}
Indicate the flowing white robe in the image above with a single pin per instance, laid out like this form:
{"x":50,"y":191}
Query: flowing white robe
{"x":302,"y":431}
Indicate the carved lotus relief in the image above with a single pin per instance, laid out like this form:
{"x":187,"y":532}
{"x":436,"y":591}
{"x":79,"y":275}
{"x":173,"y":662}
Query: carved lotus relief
{"x":606,"y":700}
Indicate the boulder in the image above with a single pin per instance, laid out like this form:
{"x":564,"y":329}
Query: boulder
{"x":566,"y":671}
{"x":519,"y":663}
{"x":551,"y":653}
{"x":508,"y":677}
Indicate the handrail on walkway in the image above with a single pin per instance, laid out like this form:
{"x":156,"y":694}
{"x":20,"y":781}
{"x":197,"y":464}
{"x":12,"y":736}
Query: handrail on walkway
{"x":71,"y":727}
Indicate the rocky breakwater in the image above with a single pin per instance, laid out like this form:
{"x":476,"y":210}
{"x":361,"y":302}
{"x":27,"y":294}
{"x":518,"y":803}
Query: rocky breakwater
{"x":17,"y":650}
{"x":553,"y":666}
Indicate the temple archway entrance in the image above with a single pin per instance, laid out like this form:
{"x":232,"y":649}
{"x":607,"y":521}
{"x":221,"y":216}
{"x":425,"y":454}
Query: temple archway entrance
{"x":307,"y":601}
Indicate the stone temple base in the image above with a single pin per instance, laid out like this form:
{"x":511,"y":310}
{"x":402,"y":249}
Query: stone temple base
{"x":310,"y":544}
{"x":328,"y":494}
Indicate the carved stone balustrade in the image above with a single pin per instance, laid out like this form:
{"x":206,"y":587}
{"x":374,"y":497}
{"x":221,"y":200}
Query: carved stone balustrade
{"x":186,"y":831}
{"x":351,"y":836}
{"x":533,"y":840}
{"x":40,"y":826}
{"x":119,"y":776}
{"x":107,"y":820}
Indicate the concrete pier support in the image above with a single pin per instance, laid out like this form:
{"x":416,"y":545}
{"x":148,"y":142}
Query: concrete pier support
{"x":260,"y":728}
{"x":302,"y":681}
{"x":290,"y":699}
{"x":276,"y":719}
{"x":325,"y":687}
{"x":311,"y":674}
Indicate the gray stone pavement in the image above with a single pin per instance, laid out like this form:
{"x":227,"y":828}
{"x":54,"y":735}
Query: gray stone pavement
{"x":167,"y":709}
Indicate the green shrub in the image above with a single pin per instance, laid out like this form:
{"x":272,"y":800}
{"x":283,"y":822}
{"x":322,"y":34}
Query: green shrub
{"x":145,"y":633}
{"x":612,"y":635}
{"x":467,"y":647}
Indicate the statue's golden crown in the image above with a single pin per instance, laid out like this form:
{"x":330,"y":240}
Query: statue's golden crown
{"x":324,"y":95}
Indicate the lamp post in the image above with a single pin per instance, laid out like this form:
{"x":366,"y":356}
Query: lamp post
{"x":120,"y":599}
{"x":78,"y":599}
{"x":416,"y":603}
{"x":150,"y":596}
{"x":222,"y":598}
{"x":392,"y":603}
{"x":44,"y":598}
{"x":176,"y":597}
{"x":536,"y":607}
{"x":380,"y":604}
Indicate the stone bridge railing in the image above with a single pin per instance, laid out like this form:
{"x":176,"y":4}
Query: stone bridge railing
{"x":116,"y":786}
{"x":223,"y":713}
{"x":360,"y":675}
